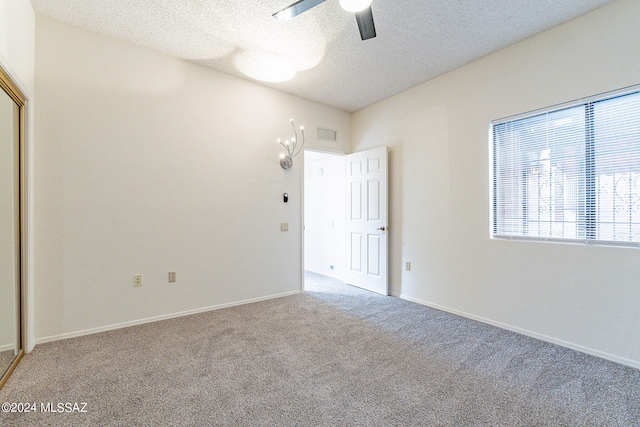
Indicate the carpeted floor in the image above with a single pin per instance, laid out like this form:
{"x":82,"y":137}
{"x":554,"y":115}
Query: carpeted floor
{"x":6,"y":359}
{"x":334,"y":356}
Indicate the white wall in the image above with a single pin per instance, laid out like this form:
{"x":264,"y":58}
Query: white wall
{"x":17,"y":57}
{"x":17,"y":42}
{"x":324,"y":214}
{"x":148,"y":163}
{"x":579,"y":296}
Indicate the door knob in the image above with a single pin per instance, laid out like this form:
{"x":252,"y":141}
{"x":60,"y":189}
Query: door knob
{"x":382,"y":228}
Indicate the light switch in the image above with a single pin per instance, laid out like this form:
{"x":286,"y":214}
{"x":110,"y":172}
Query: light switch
{"x":284,"y":226}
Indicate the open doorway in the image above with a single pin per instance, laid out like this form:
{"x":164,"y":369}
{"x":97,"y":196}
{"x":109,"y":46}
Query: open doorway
{"x":324,"y":219}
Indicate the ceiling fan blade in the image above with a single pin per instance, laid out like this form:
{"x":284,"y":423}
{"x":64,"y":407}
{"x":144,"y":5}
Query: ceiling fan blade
{"x":365,"y":24}
{"x":296,"y":9}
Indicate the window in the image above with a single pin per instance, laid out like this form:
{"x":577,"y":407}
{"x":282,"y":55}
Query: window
{"x":570,"y":172}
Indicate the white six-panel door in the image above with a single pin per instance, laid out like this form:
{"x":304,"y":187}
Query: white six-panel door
{"x":367,"y":220}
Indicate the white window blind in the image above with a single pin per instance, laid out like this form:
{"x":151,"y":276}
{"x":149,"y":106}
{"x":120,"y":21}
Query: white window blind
{"x":570,"y":172}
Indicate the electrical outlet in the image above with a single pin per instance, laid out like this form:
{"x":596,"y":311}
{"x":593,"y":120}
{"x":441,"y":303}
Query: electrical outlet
{"x":284,"y":226}
{"x":172,"y":276}
{"x":137,"y":280}
{"x":407,"y":266}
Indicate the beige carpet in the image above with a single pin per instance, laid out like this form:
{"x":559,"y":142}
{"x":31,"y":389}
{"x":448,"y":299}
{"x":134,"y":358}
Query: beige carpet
{"x":335,"y":356}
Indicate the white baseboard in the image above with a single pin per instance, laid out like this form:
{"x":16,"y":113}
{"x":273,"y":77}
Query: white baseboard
{"x":6,"y":347}
{"x":587,"y":350}
{"x":157,"y":318}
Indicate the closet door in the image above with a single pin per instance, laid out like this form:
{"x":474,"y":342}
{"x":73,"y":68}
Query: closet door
{"x":12,"y":104}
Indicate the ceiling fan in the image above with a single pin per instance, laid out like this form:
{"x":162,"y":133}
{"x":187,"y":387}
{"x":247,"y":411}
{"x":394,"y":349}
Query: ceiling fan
{"x":362,"y":9}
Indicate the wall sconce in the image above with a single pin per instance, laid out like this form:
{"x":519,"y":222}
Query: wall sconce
{"x":286,"y":159}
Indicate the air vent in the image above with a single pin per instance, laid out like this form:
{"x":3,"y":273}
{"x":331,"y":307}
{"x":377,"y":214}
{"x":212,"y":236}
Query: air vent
{"x":327,"y":134}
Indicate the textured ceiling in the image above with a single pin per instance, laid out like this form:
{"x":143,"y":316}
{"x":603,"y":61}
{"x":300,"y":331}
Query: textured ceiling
{"x":321,"y":49}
